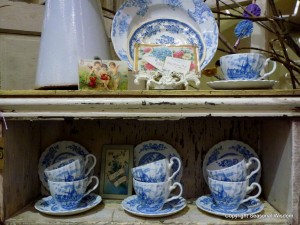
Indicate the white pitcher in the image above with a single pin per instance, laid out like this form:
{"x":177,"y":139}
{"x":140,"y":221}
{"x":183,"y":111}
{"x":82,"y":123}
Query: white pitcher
{"x":72,"y":30}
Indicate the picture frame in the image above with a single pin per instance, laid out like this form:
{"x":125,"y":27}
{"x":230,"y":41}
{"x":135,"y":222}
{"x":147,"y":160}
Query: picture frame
{"x":102,"y":75}
{"x":116,"y":176}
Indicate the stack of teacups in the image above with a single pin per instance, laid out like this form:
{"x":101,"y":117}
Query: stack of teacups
{"x":68,"y":180}
{"x":153,"y":184}
{"x":230,"y":184}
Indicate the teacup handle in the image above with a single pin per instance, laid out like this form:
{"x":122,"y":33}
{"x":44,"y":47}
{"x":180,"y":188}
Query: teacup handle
{"x":272,"y":71}
{"x":94,"y":187}
{"x":250,"y":163}
{"x":171,"y":164}
{"x":86,"y":162}
{"x":172,"y":188}
{"x":250,"y":188}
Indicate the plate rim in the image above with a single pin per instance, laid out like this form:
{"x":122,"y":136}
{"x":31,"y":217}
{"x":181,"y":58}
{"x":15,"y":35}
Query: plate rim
{"x":252,"y":84}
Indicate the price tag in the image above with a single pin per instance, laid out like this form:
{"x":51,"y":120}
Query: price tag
{"x":177,"y":65}
{"x":154,"y":62}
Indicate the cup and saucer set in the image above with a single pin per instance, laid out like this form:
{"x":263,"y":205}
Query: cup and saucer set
{"x":232,"y":171}
{"x":65,"y":169}
{"x":154,"y":181}
{"x":244,"y":71}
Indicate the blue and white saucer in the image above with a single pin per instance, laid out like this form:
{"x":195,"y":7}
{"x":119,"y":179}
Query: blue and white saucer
{"x":131,"y":205}
{"x":207,"y":204}
{"x":48,"y":205}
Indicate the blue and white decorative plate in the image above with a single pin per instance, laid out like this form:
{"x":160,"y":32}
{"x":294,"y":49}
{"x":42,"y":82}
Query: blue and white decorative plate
{"x":167,"y":31}
{"x":241,"y":84}
{"x":134,"y":13}
{"x":153,"y":150}
{"x":131,"y":205}
{"x":57,"y":152}
{"x":48,"y":205}
{"x":206,"y":203}
{"x":231,"y":148}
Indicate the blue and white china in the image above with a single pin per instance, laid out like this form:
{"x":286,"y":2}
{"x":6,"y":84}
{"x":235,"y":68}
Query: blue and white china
{"x":158,"y":171}
{"x":49,"y":206}
{"x":245,"y":66}
{"x":69,"y":194}
{"x":232,"y":168}
{"x":135,"y":13}
{"x":229,"y":195}
{"x":207,"y":204}
{"x":131,"y":204}
{"x":70,"y":169}
{"x":154,"y":150}
{"x":57,"y":152}
{"x":241,"y":84}
{"x":167,"y":31}
{"x":231,"y":148}
{"x":153,"y":196}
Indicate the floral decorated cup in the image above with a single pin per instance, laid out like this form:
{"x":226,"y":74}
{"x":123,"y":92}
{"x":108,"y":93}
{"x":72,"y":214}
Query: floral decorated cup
{"x":69,"y":194}
{"x":230,"y":195}
{"x":245,"y":66}
{"x":71,"y":169}
{"x":153,"y":196}
{"x":158,"y":171}
{"x":232,"y":168}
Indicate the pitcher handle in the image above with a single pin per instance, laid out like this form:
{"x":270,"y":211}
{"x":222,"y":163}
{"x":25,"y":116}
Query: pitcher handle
{"x":94,"y":187}
{"x":250,"y":188}
{"x":172,"y":188}
{"x":171,"y":164}
{"x":272,"y":70}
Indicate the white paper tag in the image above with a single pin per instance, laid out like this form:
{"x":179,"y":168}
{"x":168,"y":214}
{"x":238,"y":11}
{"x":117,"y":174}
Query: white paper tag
{"x":177,"y":65}
{"x":154,"y":62}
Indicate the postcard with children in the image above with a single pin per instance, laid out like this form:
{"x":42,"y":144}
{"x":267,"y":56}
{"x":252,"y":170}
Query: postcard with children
{"x":103,"y":75}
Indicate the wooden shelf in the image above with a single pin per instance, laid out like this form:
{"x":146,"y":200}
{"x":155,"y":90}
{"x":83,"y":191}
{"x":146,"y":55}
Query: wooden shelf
{"x":111,"y":212}
{"x":158,"y":105}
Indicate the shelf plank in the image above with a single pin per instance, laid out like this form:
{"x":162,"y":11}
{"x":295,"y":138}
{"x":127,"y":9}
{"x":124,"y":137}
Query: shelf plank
{"x":111,"y":212}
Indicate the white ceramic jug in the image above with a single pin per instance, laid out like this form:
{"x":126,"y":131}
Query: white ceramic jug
{"x":72,"y":30}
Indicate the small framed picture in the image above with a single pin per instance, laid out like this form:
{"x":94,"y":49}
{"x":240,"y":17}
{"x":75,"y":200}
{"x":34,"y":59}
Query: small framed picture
{"x":116,"y":177}
{"x":103,"y":75}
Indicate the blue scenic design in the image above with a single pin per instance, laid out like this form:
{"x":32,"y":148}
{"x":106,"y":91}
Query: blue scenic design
{"x":227,"y":162}
{"x":50,"y":155}
{"x":214,"y":156}
{"x":196,"y":10}
{"x":49,"y":205}
{"x":166,"y":26}
{"x":156,"y":173}
{"x":153,"y":147}
{"x":132,"y":205}
{"x":207,"y":204}
{"x":69,"y":199}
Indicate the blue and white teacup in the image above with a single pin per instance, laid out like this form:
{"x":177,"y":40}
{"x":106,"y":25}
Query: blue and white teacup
{"x":230,"y":195}
{"x":157,"y":171}
{"x":232,"y":168}
{"x":69,"y":194}
{"x":71,"y":169}
{"x":245,"y":66}
{"x":153,"y":196}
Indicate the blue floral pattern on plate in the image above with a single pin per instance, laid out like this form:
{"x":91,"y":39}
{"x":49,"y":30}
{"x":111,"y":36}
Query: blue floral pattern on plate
{"x":131,"y":204}
{"x":206,"y":203}
{"x":48,"y":205}
{"x":56,"y":152}
{"x":153,"y":150}
{"x":167,"y":31}
{"x":231,"y":148}
{"x":133,"y":13}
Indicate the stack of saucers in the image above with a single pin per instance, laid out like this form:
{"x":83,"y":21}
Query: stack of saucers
{"x":229,"y":183}
{"x":153,"y":184}
{"x":68,"y":182}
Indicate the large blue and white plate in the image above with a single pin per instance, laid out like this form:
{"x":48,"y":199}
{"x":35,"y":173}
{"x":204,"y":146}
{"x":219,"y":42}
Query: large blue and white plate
{"x":134,"y":13}
{"x":131,"y":205}
{"x":206,"y":203}
{"x":231,"y":148}
{"x":167,"y":31}
{"x":153,"y":150}
{"x":57,"y":152}
{"x":48,"y":205}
